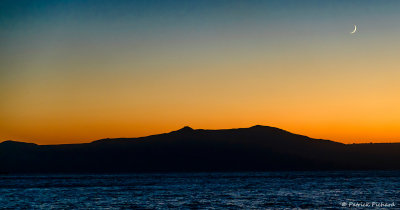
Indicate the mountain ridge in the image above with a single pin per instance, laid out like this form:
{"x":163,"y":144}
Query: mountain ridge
{"x":257,"y":148}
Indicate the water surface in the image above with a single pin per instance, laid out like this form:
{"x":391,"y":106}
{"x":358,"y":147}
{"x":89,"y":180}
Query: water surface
{"x":257,"y":190}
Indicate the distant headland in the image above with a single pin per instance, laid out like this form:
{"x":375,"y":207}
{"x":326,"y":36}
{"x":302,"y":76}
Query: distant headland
{"x":258,"y":148}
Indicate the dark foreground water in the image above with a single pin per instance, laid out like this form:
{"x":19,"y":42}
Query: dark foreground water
{"x":203,"y":190}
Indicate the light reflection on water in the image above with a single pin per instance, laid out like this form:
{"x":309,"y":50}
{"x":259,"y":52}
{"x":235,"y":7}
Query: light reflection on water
{"x":200,"y":190}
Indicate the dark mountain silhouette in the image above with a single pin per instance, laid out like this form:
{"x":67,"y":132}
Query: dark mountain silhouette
{"x":258,"y":148}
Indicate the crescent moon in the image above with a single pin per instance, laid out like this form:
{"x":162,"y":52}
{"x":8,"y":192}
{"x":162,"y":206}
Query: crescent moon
{"x":355,"y":29}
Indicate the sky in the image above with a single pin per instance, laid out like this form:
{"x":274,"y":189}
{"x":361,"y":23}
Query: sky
{"x":78,"y":71}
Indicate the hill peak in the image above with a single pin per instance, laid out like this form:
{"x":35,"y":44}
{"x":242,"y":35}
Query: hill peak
{"x":264,"y":126}
{"x":186,"y":129}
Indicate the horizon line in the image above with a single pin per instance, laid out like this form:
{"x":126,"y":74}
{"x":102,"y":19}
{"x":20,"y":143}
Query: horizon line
{"x":200,"y":129}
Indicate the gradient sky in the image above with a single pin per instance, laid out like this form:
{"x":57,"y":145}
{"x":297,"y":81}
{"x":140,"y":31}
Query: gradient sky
{"x":77,"y":71}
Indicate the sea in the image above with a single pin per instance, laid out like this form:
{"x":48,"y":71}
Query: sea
{"x":244,"y":190}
